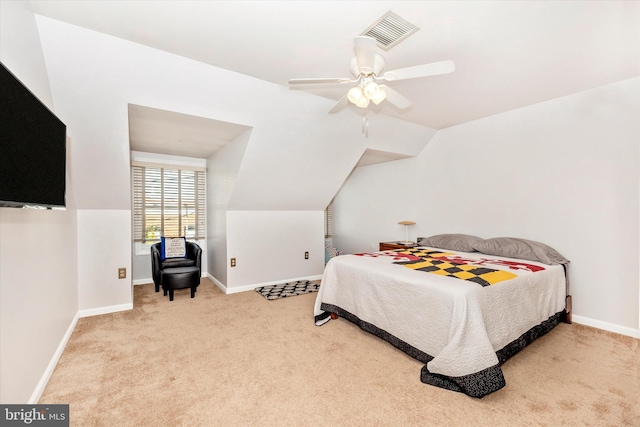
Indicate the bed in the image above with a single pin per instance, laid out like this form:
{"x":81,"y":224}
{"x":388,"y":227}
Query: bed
{"x":460,"y":304}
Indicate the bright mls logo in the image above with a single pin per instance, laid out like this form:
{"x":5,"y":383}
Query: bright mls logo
{"x":36,"y":415}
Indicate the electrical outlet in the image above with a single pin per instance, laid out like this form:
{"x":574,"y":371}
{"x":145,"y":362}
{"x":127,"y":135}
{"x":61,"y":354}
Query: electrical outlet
{"x":122,"y":273}
{"x":306,"y":255}
{"x":233,"y":262}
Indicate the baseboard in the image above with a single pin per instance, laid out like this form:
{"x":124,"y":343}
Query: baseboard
{"x":599,"y":324}
{"x":44,"y":380}
{"x":37,"y":393}
{"x":245,"y":288}
{"x":105,"y":310}
{"x":218,"y":283}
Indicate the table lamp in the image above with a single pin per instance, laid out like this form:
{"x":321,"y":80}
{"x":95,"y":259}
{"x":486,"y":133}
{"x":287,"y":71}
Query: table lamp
{"x":406,"y":231}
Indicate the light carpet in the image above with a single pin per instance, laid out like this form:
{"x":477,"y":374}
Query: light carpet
{"x":232,"y":360}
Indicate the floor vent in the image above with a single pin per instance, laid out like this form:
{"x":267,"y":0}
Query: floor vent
{"x":390,"y":30}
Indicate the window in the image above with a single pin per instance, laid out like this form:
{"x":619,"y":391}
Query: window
{"x":328,"y":219}
{"x":168,"y":201}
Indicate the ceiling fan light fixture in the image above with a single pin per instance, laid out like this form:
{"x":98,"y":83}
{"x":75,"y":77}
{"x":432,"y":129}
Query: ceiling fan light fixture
{"x":363,"y":102}
{"x":367,"y":66}
{"x":370,"y":89}
{"x":379,"y":96}
{"x":355,"y":94}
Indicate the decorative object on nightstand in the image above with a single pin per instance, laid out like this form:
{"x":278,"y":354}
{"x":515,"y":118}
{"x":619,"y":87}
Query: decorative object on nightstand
{"x":406,"y":231}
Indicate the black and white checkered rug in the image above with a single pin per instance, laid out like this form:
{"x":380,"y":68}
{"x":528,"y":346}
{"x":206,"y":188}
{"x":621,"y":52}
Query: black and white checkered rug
{"x":291,"y":289}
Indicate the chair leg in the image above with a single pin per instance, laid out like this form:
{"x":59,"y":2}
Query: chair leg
{"x":170,"y":294}
{"x":165,"y":292}
{"x":193,"y":291}
{"x":157,"y":288}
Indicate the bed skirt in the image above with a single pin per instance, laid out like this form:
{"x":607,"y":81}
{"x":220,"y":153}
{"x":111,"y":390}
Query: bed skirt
{"x":477,"y":384}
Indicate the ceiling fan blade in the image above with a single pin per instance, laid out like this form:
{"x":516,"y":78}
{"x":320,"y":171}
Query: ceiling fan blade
{"x":343,"y":102}
{"x":395,"y":98}
{"x":365,"y":48}
{"x":433,"y":69}
{"x":320,"y":80}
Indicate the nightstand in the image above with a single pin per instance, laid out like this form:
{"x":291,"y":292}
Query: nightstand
{"x":387,"y":246}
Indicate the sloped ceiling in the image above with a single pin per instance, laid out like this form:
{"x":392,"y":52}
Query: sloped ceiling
{"x":371,"y":157}
{"x":507,"y":54}
{"x":166,"y":132}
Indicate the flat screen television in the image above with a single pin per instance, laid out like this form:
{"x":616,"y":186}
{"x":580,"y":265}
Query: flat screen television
{"x":33,"y":144}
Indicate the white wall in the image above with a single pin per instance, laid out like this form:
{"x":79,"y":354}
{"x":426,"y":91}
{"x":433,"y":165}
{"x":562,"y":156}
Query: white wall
{"x":564,"y":172}
{"x":20,"y":49}
{"x":223,"y":169}
{"x":38,"y":256}
{"x":269,"y":247}
{"x":99,"y":288}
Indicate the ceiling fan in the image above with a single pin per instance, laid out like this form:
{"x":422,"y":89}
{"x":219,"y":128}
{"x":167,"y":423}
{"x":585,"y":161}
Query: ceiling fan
{"x":367,"y":67}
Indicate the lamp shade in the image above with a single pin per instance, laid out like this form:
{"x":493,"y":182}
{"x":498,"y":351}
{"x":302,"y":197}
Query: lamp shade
{"x":370,"y":89}
{"x":363,"y":102}
{"x":354,"y":94}
{"x":379,"y":96}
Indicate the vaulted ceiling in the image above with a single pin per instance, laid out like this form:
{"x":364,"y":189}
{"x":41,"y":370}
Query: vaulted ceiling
{"x":507,"y":54}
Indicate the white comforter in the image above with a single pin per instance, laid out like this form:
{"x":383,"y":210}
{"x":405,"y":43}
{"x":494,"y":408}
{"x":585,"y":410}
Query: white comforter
{"x":461,"y":324}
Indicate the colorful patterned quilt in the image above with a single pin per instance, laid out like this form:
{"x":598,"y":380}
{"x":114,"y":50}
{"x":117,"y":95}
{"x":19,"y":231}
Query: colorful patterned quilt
{"x":462,"y":314}
{"x":452,"y":265}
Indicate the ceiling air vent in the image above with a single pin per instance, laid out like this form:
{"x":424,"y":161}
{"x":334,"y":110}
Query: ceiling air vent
{"x":390,"y":30}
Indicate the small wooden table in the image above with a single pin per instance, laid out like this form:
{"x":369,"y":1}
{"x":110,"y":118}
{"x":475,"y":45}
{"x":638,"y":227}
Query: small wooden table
{"x":388,"y":246}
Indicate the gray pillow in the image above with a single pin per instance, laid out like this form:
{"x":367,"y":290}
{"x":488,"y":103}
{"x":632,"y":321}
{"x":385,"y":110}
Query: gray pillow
{"x":452,"y":242}
{"x":513,"y":247}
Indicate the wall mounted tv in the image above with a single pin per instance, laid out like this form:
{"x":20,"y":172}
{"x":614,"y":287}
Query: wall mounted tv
{"x":32,"y":148}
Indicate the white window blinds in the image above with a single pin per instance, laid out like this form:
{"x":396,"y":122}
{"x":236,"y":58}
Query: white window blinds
{"x":168,"y":202}
{"x":328,"y":220}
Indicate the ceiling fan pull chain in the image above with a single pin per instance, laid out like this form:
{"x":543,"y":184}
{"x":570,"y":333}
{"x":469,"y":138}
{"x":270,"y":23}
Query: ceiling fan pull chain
{"x":365,"y":124}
